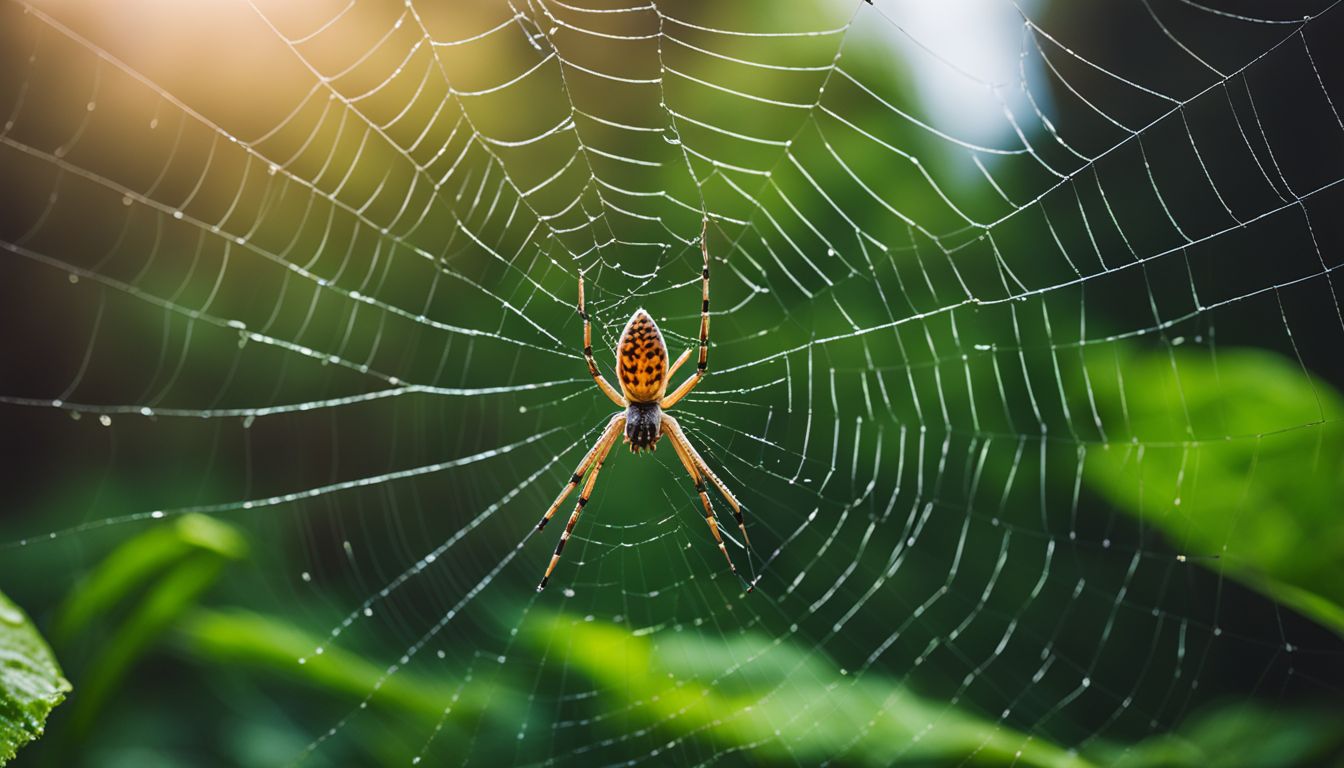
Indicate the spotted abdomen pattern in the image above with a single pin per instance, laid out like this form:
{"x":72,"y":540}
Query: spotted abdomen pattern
{"x":641,"y":360}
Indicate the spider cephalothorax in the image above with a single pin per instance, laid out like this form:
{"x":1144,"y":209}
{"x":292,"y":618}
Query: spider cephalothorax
{"x":643,"y":426}
{"x":642,"y":370}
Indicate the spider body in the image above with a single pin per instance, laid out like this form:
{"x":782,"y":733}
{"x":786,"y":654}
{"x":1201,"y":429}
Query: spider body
{"x":643,"y":373}
{"x":641,"y":368}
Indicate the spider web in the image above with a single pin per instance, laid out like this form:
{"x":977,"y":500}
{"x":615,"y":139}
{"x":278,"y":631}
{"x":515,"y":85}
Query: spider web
{"x":312,"y":269}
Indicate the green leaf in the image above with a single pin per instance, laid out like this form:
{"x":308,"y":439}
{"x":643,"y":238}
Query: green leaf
{"x":31,"y":684}
{"x":239,"y":638}
{"x":790,"y":705}
{"x":1238,"y":459}
{"x":174,"y":566}
{"x":1238,"y":735}
{"x":138,"y":561}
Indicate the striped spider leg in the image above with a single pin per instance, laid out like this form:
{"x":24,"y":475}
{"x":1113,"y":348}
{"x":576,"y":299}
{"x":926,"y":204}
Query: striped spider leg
{"x":594,"y":458}
{"x":696,"y":468}
{"x":686,"y":386}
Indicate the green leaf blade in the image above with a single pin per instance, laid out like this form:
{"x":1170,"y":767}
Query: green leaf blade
{"x":31,"y":682}
{"x":1241,"y":467}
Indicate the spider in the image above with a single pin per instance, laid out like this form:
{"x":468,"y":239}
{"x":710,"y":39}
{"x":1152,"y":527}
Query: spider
{"x":641,"y":356}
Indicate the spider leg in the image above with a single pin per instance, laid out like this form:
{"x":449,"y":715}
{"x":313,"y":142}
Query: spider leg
{"x":710,"y":517}
{"x":607,"y":437}
{"x":602,"y":383}
{"x":679,"y":438}
{"x":604,"y":447}
{"x":694,"y":378}
{"x":680,"y":360}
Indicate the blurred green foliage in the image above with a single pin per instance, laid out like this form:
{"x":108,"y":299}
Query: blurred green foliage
{"x":172,"y":567}
{"x":1220,"y":445}
{"x":1236,"y":735}
{"x":31,"y":683}
{"x":270,"y":645}
{"x":686,"y":686}
{"x":790,"y":703}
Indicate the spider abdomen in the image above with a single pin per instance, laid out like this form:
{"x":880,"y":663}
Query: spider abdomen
{"x":643,"y":425}
{"x":641,"y":360}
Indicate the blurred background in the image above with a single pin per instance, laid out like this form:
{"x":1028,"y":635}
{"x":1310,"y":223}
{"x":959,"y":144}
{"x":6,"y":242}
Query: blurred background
{"x":1026,"y":364}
